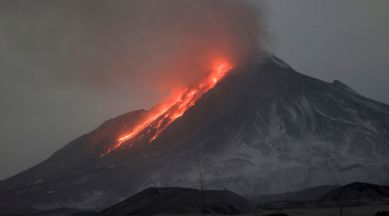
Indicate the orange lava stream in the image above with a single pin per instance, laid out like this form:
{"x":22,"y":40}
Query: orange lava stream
{"x":161,"y":116}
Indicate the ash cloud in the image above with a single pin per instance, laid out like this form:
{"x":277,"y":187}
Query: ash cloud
{"x":162,"y":44}
{"x":148,"y":46}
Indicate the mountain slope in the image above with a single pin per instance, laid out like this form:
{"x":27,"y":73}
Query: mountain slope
{"x":353,"y":194}
{"x":263,"y":129}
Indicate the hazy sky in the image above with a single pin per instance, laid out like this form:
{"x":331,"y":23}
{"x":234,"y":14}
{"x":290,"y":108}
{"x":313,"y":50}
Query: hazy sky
{"x":54,"y":56}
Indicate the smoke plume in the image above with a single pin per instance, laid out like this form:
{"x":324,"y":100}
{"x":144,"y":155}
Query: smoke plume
{"x":164,"y":44}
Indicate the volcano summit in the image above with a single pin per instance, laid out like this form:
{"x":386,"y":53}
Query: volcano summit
{"x":263,"y":128}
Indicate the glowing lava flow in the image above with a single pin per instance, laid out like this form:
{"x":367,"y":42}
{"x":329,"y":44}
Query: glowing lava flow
{"x":161,"y":116}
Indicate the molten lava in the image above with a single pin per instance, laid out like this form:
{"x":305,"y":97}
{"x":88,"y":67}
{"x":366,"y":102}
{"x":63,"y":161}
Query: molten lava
{"x":161,"y":116}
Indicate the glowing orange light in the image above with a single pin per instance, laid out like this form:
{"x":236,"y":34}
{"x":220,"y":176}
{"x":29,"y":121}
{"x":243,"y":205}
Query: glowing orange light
{"x":160,"y":117}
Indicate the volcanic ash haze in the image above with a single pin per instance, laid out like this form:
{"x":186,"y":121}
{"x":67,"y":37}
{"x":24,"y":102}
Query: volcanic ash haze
{"x":168,"y":44}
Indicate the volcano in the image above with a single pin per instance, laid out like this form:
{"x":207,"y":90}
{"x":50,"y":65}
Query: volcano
{"x":264,"y":128}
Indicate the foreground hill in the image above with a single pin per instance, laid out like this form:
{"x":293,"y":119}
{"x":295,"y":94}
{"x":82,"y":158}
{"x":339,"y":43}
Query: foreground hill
{"x":358,"y":191}
{"x":180,"y":201}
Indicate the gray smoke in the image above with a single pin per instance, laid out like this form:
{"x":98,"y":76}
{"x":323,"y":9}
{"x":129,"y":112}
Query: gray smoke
{"x":169,"y":42}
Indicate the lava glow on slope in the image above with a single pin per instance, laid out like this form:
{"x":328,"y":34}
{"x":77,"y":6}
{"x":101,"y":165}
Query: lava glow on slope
{"x":161,"y":116}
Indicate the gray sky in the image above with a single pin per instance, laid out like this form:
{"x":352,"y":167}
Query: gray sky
{"x":54,"y":58}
